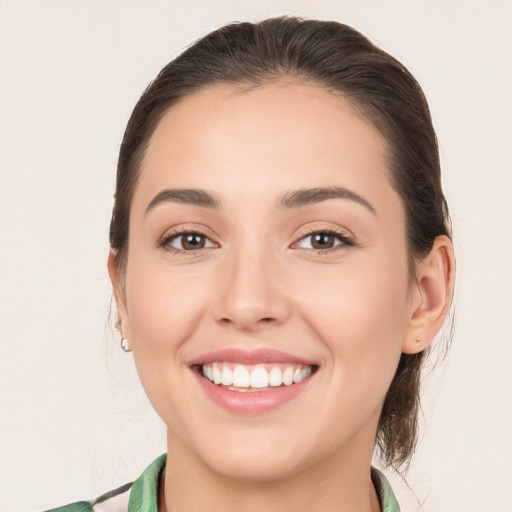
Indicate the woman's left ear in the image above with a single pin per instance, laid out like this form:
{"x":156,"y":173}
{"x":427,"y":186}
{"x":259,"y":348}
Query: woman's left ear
{"x":431,"y":296}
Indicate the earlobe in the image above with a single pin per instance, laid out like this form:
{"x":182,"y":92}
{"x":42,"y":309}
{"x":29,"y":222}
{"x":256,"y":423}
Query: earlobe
{"x":119,"y":293}
{"x":432,"y":293}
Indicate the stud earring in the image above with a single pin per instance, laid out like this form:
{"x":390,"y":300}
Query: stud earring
{"x":124,"y":345}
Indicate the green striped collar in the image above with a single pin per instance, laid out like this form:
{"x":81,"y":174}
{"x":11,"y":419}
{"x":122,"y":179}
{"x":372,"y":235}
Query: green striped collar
{"x":387,"y":498}
{"x":144,"y":492}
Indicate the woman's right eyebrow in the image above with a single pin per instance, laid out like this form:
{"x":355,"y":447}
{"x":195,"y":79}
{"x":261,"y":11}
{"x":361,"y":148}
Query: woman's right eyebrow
{"x":193,"y":196}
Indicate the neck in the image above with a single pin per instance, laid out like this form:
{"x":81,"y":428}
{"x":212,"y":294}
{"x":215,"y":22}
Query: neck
{"x":341,"y":483}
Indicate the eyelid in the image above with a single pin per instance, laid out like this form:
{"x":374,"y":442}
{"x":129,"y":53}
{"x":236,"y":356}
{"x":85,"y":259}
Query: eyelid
{"x":344,"y":236}
{"x":174,"y":233}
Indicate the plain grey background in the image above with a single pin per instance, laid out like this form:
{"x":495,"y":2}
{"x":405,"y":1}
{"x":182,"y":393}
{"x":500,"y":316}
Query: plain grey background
{"x":74,"y":421}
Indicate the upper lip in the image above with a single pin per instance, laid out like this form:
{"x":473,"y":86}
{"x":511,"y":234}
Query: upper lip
{"x":258,"y":356}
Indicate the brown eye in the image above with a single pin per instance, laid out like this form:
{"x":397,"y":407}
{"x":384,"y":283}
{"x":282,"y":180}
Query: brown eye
{"x":192,"y":241}
{"x":324,"y":240}
{"x":188,"y":242}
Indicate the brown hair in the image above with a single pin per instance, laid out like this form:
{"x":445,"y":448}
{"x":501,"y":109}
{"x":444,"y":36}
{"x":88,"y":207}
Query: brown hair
{"x":340,"y":59}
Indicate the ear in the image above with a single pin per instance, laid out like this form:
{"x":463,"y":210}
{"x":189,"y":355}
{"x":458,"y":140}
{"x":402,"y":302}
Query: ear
{"x":116,"y":279}
{"x":431,"y":296}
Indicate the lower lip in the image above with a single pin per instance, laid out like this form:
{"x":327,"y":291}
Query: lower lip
{"x":252,"y":402}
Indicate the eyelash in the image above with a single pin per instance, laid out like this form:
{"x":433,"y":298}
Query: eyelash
{"x":168,"y":238}
{"x":341,"y":236}
{"x":346,"y":241}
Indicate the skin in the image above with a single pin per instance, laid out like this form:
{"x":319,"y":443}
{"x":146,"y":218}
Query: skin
{"x":258,"y":283}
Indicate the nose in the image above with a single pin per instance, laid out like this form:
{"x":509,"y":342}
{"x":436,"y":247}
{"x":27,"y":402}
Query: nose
{"x":252,"y":293}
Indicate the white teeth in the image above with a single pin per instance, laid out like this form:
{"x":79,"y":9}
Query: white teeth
{"x":305,"y":372}
{"x":216,"y":375}
{"x":241,"y":378}
{"x":259,"y":378}
{"x":275,"y":377}
{"x":227,"y":376}
{"x":288,"y":376}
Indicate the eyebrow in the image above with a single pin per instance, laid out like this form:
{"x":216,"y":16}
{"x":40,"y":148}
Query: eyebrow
{"x":192,"y":196}
{"x":294,"y":199}
{"x":307,"y":196}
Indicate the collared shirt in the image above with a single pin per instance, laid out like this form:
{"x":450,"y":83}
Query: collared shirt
{"x":142,"y":495}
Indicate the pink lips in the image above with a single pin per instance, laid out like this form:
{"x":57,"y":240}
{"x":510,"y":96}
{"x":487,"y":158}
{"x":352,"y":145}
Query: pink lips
{"x":250,"y":402}
{"x":260,"y":356}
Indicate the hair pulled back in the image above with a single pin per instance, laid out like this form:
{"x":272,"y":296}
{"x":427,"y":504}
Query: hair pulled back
{"x":340,"y":59}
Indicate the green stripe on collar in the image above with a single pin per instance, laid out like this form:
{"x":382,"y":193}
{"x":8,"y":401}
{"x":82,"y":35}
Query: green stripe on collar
{"x":144,"y":491}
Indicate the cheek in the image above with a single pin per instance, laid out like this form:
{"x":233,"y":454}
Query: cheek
{"x":163,"y":307}
{"x":358,"y":300}
{"x":360,"y":317}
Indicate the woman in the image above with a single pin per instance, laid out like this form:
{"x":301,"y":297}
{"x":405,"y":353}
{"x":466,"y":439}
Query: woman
{"x":281,"y":261}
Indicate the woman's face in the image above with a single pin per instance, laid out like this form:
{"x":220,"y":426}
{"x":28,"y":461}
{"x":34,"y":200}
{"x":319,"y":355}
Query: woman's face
{"x":266,"y":242}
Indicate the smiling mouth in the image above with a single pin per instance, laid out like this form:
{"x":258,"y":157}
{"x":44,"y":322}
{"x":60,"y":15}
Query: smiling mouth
{"x":258,"y":377}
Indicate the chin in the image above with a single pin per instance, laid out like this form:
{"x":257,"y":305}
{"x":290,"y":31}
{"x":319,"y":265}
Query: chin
{"x":257,"y":458}
{"x":255,"y":467}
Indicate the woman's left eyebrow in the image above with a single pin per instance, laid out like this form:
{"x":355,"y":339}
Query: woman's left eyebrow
{"x":306,"y":196}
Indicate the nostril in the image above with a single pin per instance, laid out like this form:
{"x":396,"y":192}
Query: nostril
{"x":264,"y":320}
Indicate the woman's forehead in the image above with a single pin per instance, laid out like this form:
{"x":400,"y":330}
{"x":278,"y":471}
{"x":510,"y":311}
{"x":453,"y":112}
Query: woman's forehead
{"x":277,"y":134}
